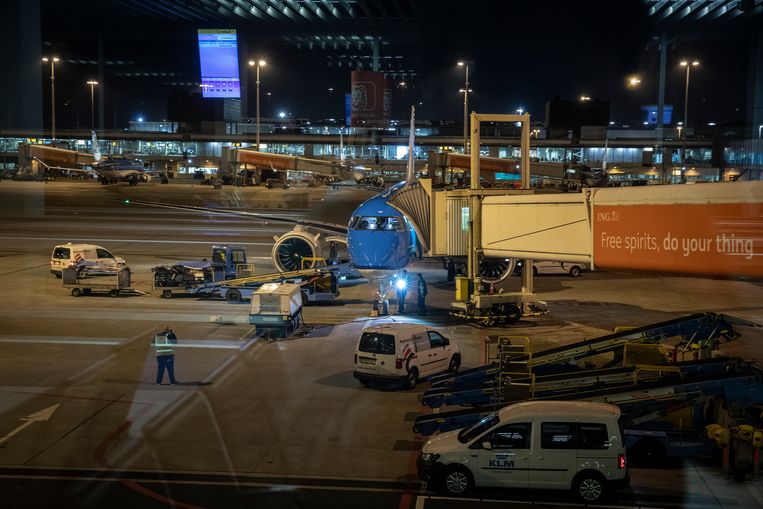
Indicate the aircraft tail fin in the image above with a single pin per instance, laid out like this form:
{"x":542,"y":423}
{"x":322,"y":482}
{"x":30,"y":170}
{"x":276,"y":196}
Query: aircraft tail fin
{"x":410,"y":175}
{"x":96,"y":147}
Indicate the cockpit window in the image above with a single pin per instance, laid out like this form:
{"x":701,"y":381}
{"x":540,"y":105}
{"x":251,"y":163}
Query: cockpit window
{"x":381,"y":223}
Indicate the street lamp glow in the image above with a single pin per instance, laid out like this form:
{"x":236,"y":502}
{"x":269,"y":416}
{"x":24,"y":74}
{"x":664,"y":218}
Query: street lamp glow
{"x":584,"y":98}
{"x":140,"y":119}
{"x":282,"y":114}
{"x":634,"y":80}
{"x":92,"y":84}
{"x":520,"y":110}
{"x":685,"y":63}
{"x":466,"y":91}
{"x":53,"y":62}
{"x":402,"y":83}
{"x":257,"y":65}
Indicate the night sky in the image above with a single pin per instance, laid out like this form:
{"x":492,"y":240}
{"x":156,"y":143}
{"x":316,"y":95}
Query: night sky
{"x":523,"y":53}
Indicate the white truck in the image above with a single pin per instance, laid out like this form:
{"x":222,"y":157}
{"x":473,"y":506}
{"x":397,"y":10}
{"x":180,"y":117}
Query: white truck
{"x":276,"y":308}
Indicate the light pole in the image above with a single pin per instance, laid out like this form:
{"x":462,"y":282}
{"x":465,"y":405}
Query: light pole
{"x":466,"y":91}
{"x":331,"y":97}
{"x":760,"y":128}
{"x":258,"y":64}
{"x":92,"y":84}
{"x":686,"y":64}
{"x":53,"y":62}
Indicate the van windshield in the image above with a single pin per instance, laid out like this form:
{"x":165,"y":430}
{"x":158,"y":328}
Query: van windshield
{"x":466,"y":435}
{"x":61,"y":252}
{"x":374,"y":342}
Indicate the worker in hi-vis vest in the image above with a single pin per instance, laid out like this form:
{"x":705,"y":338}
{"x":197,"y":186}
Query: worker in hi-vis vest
{"x":165,"y":355}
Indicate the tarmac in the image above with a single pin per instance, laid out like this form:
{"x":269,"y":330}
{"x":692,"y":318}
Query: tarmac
{"x":280,"y":423}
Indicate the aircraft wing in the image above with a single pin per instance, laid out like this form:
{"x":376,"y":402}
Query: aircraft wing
{"x":64,"y":168}
{"x":321,"y":225}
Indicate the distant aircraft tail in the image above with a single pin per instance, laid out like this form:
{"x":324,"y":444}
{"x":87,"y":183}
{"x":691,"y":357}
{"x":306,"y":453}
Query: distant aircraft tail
{"x":96,"y":147}
{"x":410,"y":174}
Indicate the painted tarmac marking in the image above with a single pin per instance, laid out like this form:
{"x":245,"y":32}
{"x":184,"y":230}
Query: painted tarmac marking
{"x":131,"y":241}
{"x":62,"y":339}
{"x":41,"y":416}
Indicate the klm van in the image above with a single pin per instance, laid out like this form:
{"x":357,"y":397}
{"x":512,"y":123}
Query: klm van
{"x":548,"y":445}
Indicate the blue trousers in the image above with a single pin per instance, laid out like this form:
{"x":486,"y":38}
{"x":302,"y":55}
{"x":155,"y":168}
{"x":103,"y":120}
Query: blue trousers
{"x":165,"y":362}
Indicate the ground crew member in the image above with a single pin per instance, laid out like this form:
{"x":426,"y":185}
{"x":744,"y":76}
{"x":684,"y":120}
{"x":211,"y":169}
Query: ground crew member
{"x":422,"y":295}
{"x":165,"y":355}
{"x":401,"y":286}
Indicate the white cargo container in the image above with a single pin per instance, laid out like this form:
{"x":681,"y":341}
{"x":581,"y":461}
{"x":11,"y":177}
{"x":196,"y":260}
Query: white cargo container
{"x":276,"y":307}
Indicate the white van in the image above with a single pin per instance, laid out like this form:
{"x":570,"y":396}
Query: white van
{"x":535,"y":444}
{"x":549,"y":267}
{"x":401,"y":352}
{"x":69,"y":255}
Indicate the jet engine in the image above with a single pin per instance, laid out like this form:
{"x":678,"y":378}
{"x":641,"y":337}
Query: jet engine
{"x":495,"y":270}
{"x":293,"y":246}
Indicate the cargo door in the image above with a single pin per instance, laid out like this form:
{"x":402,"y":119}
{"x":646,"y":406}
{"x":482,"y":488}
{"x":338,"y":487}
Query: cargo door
{"x":376,"y":354}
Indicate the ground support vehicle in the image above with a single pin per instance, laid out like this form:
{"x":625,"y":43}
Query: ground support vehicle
{"x":489,"y":309}
{"x":535,"y":444}
{"x":403,"y":353}
{"x":228,"y":262}
{"x":318,"y":285}
{"x":88,"y":257}
{"x":115,"y":283}
{"x":666,"y":404}
{"x":276,"y":309}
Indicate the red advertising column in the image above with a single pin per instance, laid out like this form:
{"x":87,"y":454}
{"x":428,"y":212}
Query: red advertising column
{"x":368,"y":99}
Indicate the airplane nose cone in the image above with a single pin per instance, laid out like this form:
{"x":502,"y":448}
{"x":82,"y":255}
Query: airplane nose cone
{"x":377,"y":250}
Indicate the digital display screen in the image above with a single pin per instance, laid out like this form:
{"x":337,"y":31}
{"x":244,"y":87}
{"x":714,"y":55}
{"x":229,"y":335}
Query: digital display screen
{"x":218,"y":54}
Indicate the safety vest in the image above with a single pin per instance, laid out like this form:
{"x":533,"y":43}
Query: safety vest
{"x":163,"y":345}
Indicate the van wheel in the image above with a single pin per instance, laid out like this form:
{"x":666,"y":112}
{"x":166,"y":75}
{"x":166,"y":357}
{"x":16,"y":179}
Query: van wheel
{"x":113,"y":293}
{"x":76,"y":292}
{"x":233,"y":296}
{"x":413,"y":378}
{"x":455,"y":363}
{"x":457,"y":480}
{"x":575,"y":271}
{"x":167,"y":294}
{"x":589,"y":486}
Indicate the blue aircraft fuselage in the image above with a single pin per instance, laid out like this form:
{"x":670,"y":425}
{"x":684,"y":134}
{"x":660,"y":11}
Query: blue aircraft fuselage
{"x":379,"y":237}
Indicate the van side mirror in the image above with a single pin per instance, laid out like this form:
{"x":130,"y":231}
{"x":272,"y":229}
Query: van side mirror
{"x":487,"y":445}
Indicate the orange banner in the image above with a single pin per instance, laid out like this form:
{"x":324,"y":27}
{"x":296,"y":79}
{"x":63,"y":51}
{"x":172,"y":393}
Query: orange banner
{"x":266,"y":161}
{"x":712,"y":239}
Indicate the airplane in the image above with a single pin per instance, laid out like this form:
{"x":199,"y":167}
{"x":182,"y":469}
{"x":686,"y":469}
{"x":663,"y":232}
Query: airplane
{"x":113,"y":169}
{"x":380,"y":241}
